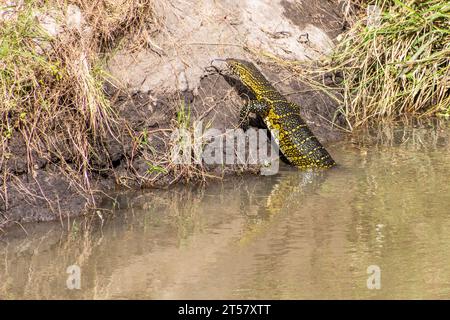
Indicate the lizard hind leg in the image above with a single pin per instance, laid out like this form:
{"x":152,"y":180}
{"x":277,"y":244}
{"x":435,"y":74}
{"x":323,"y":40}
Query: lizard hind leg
{"x":253,"y":106}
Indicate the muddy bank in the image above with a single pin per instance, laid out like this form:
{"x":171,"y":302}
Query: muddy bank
{"x":173,"y":71}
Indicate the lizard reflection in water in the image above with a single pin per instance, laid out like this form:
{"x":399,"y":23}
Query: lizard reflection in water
{"x":288,"y":191}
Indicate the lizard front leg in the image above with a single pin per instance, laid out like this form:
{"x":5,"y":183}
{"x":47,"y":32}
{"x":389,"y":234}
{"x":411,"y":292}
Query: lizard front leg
{"x":253,"y":106}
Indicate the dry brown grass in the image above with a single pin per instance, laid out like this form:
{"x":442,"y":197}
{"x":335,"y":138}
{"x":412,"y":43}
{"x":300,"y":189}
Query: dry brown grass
{"x":113,"y":20}
{"x":52,"y":86}
{"x":400,"y":67}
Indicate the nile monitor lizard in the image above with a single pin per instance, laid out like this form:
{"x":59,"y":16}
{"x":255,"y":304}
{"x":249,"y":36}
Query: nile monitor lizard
{"x":295,"y":140}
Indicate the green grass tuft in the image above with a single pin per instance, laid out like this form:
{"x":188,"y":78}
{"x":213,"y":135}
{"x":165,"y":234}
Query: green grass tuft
{"x":400,"y":66}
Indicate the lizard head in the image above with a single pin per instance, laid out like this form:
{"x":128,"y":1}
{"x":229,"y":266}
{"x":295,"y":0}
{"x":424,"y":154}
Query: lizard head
{"x":236,"y":67}
{"x":247,"y":73}
{"x":239,"y":67}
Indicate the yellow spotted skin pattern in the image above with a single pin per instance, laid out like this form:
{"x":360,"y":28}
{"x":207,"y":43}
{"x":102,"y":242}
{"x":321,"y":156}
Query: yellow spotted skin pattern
{"x":295,"y":140}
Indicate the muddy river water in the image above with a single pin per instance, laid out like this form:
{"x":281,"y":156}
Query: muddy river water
{"x":377,"y":226}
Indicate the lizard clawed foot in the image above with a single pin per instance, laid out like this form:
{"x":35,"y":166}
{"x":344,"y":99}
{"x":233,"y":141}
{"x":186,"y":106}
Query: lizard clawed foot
{"x":218,"y":65}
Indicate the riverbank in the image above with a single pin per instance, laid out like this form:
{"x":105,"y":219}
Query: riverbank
{"x":93,"y":94}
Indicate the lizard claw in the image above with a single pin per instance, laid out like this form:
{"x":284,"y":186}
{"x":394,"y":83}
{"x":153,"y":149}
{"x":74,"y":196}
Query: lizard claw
{"x":218,"y":68}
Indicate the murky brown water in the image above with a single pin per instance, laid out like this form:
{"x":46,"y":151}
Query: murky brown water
{"x":294,"y":235}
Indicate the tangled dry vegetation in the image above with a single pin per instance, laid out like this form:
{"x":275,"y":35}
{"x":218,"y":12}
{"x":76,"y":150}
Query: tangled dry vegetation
{"x":397,"y":63}
{"x":53,"y":107}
